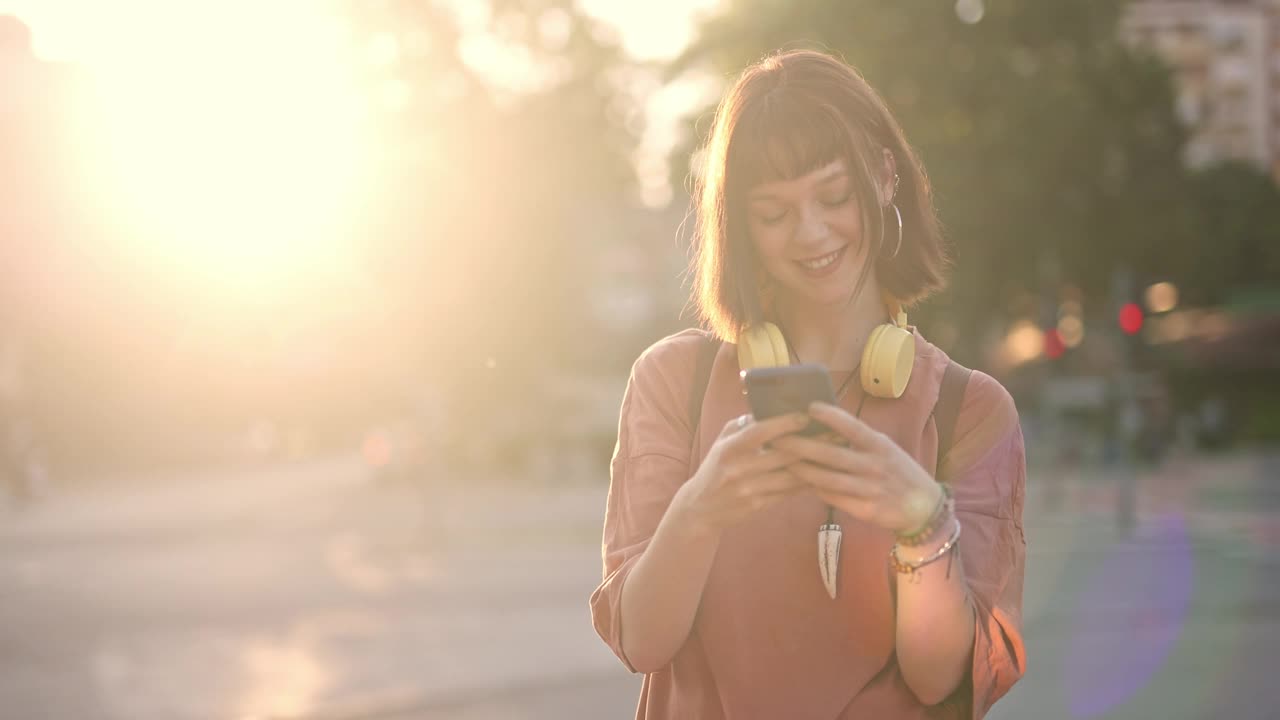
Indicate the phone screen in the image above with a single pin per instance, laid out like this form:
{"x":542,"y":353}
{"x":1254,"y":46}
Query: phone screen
{"x":787,"y":389}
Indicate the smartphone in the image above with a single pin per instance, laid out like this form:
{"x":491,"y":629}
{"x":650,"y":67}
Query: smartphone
{"x":787,"y":389}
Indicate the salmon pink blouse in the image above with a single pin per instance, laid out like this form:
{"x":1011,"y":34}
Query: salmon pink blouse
{"x":767,"y":640}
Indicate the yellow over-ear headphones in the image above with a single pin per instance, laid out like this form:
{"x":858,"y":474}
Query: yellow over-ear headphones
{"x":886,"y":359}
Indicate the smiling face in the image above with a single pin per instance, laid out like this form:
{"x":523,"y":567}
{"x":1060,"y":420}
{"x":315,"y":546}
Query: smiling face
{"x":807,"y":234}
{"x":794,"y":192}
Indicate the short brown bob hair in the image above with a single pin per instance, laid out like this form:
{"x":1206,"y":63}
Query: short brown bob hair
{"x":788,"y":115}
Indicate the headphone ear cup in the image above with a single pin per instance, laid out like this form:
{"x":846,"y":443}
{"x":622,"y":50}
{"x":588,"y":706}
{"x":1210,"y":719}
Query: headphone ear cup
{"x":887,"y":360}
{"x":866,"y":369}
{"x":781,"y":355}
{"x":755,"y":349}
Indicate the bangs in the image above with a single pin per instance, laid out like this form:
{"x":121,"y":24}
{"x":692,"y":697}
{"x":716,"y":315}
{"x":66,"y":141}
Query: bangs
{"x":783,"y":137}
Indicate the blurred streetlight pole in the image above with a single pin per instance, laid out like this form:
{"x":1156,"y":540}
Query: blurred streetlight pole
{"x":1051,"y":416}
{"x":1125,"y":402}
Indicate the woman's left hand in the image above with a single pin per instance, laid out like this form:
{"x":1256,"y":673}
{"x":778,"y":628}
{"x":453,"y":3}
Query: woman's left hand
{"x":870,"y":478}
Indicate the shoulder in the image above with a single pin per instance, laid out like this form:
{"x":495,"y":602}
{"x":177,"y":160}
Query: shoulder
{"x":987,"y":429}
{"x":655,"y":407}
{"x":671,"y":360}
{"x":988,"y":403}
{"x":984,"y":402}
{"x":988,"y":433}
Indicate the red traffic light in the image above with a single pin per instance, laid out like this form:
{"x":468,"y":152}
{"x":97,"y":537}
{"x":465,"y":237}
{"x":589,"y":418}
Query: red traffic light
{"x":1131,"y":318}
{"x":1054,"y":346}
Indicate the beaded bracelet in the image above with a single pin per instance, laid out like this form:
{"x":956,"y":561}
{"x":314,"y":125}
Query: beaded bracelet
{"x":908,"y":568}
{"x":946,"y":508}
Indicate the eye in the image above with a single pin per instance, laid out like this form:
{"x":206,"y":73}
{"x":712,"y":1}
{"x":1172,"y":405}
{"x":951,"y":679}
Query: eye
{"x":837,"y":200}
{"x":770,"y":219}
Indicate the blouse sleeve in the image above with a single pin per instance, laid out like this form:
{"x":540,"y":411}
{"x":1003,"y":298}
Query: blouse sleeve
{"x":650,"y":462}
{"x":986,"y":468}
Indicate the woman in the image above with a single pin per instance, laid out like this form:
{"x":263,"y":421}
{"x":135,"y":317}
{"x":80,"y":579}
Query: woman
{"x":815,"y":215}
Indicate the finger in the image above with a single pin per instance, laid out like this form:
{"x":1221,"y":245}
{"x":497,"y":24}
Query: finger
{"x":759,"y":432}
{"x":859,"y":509}
{"x":736,"y":425}
{"x":762,"y":462}
{"x":764,"y":500}
{"x":858,"y":432}
{"x":836,"y":457}
{"x":779,"y":481}
{"x":834,"y":481}
{"x":769,"y":485}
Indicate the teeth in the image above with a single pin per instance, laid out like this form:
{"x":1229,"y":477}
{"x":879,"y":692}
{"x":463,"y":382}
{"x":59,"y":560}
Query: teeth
{"x":821,"y":262}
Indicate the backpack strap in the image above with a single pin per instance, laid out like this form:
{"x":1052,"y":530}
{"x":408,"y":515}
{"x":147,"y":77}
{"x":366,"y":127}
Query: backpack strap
{"x":701,"y":378}
{"x":947,"y":409}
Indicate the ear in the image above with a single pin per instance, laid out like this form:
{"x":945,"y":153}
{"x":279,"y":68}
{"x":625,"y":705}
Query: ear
{"x":888,"y":178}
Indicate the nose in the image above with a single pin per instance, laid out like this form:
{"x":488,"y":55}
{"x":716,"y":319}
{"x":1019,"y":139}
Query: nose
{"x":812,"y":228}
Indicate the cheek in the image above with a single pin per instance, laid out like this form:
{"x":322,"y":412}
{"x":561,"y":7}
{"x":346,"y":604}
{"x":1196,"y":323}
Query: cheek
{"x":770,"y":243}
{"x":848,"y":223}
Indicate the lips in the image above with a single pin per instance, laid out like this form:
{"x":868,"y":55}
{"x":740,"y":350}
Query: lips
{"x":822,"y":265}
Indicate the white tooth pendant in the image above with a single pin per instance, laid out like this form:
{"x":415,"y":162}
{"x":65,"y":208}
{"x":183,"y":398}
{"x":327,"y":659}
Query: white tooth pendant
{"x":829,"y":556}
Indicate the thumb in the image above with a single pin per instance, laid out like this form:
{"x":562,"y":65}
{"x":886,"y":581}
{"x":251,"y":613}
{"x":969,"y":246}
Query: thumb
{"x":736,"y":425}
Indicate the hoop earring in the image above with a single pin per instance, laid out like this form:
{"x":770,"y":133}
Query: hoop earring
{"x":897,"y":248}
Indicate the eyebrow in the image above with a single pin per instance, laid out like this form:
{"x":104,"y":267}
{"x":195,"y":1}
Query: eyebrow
{"x":834,"y":173}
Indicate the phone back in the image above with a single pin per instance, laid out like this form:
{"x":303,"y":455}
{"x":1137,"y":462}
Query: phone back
{"x":790,"y":388}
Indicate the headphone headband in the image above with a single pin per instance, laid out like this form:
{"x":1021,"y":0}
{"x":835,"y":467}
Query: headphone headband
{"x":897,"y":315}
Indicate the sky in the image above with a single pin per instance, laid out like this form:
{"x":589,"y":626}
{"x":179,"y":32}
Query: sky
{"x":118,"y":42}
{"x":73,"y":30}
{"x":187,"y":92}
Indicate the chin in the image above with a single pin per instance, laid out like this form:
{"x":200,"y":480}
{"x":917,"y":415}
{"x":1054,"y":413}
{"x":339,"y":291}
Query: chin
{"x":827,"y":292}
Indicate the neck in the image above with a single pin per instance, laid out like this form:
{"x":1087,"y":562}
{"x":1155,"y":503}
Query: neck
{"x":833,"y":335}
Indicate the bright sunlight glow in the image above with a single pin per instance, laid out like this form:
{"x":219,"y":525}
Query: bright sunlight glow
{"x":229,"y":138}
{"x":242,"y":144}
{"x":232,"y":132}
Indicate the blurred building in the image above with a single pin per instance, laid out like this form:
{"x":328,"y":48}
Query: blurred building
{"x":1225,"y":56}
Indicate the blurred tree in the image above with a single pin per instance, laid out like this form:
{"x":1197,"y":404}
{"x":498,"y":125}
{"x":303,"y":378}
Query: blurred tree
{"x":44,"y":212}
{"x":506,"y":167}
{"x":501,"y":153}
{"x":1048,"y":141}
{"x":1239,"y":208}
{"x":498,"y":160}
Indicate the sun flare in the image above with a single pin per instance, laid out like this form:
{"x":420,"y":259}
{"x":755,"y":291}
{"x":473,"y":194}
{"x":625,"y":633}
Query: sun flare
{"x":233,"y":138}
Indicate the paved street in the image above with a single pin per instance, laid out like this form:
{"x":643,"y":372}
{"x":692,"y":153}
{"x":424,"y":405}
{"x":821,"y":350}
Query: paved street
{"x":310,"y":592}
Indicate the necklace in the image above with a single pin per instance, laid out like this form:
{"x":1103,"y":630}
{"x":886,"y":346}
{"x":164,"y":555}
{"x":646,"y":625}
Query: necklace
{"x":829,"y":537}
{"x":830,"y":533}
{"x":844,"y":386}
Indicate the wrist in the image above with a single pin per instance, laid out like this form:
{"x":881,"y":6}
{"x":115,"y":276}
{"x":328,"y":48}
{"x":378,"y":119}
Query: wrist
{"x":932,"y":541}
{"x":685,"y":521}
{"x":926,"y":527}
{"x":908,"y":560}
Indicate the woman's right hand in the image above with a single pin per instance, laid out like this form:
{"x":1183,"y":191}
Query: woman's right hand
{"x":740,"y":475}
